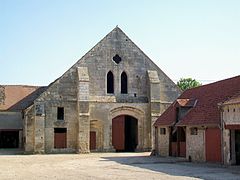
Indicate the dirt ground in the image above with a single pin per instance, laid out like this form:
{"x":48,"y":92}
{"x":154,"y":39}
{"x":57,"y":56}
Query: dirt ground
{"x":108,"y":166}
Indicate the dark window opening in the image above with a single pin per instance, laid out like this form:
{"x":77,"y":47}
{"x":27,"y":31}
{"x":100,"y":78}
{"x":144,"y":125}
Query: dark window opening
{"x":162,"y":130}
{"x":194,"y":131}
{"x":124,"y":83}
{"x":110,"y":82}
{"x":117,"y":59}
{"x":60,"y":113}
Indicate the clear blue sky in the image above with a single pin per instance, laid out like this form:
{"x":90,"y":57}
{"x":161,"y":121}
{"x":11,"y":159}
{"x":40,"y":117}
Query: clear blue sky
{"x":41,"y":39}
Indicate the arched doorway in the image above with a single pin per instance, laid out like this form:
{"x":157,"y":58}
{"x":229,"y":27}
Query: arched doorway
{"x":124,"y":133}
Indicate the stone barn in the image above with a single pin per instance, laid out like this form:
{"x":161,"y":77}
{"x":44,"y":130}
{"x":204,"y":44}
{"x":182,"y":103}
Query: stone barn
{"x":107,"y":101}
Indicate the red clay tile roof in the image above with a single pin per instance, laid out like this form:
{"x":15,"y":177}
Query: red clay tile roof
{"x":206,"y":110}
{"x":168,"y":117}
{"x":233,"y":100}
{"x":18,"y":97}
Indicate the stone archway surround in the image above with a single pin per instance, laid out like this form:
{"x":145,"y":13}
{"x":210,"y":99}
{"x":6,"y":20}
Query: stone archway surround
{"x":130,"y":111}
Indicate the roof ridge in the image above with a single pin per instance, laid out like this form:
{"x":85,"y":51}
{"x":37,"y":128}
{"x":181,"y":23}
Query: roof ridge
{"x":206,"y":109}
{"x":19,"y":85}
{"x":214,"y":83}
{"x":53,"y":82}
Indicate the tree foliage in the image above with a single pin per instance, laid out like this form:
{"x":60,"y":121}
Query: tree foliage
{"x":187,"y":83}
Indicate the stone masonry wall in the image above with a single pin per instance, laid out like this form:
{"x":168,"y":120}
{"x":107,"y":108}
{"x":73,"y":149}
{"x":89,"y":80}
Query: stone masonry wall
{"x":163,"y":142}
{"x":70,"y":122}
{"x":195,"y":145}
{"x":28,"y":130}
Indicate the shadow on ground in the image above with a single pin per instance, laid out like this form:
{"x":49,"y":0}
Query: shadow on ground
{"x":178,"y":167}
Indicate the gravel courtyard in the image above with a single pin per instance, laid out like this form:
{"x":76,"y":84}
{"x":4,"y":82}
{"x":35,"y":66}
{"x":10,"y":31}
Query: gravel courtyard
{"x":108,"y":166}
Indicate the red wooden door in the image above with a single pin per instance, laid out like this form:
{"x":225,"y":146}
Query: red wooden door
{"x":182,"y":152}
{"x":118,"y":132}
{"x":60,"y":140}
{"x":213,"y":145}
{"x":92,"y":140}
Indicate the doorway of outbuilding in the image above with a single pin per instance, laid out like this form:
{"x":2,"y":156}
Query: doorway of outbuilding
{"x":124,"y":133}
{"x":213,"y":144}
{"x":237,"y":146}
{"x":178,"y":142}
{"x":9,"y":139}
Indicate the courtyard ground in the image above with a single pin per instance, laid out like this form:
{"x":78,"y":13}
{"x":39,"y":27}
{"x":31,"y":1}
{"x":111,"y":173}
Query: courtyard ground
{"x":108,"y":166}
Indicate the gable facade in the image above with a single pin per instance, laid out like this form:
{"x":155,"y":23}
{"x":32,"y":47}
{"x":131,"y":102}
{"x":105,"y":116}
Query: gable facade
{"x":107,"y":101}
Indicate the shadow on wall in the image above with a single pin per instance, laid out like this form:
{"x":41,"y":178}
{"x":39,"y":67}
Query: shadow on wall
{"x":171,"y":165}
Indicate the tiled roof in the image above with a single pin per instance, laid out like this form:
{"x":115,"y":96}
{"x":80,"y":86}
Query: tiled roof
{"x":233,"y":100}
{"x":18,"y":97}
{"x":168,"y":117}
{"x":205,"y":112}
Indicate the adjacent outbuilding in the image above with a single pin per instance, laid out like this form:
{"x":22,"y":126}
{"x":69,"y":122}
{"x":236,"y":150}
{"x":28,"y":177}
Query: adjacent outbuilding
{"x":197,"y":128}
{"x":230,"y":110}
{"x":13,"y":100}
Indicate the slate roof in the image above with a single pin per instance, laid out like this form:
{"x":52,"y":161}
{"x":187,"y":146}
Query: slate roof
{"x":205,"y":111}
{"x":19,"y":97}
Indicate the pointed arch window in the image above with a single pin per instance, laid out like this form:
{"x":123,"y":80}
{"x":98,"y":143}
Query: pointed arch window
{"x":124,"y":83}
{"x":110,"y":83}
